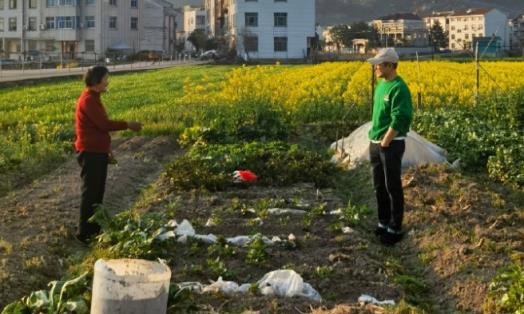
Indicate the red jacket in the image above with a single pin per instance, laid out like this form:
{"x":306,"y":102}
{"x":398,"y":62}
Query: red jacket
{"x":92,"y":125}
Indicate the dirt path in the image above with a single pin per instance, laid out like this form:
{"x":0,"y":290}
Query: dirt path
{"x":38,"y":221}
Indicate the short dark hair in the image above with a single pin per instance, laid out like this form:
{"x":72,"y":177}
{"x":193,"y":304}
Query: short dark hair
{"x":94,"y":75}
{"x":393,"y":65}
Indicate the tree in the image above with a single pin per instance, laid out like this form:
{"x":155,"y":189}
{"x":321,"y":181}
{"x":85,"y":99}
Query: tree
{"x":341,"y":36}
{"x":437,"y":37}
{"x":198,"y":38}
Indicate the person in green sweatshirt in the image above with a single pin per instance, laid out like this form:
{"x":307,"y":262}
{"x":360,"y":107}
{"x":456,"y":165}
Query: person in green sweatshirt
{"x":391,"y":119}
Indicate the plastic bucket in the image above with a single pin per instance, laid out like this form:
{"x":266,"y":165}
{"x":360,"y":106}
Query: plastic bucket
{"x":130,"y":286}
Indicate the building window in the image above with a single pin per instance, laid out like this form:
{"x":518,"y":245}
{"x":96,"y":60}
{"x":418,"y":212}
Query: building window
{"x":452,"y":36}
{"x":51,"y":3}
{"x":67,"y":2}
{"x":251,"y":19}
{"x":251,"y":43}
{"x":49,"y":45}
{"x":280,"y":0}
{"x":112,"y":22}
{"x":134,"y":3}
{"x":280,"y":44}
{"x":280,"y":19}
{"x":201,"y":20}
{"x":31,"y":25}
{"x":32,"y":4}
{"x":90,"y":2}
{"x":1,"y":24}
{"x":467,"y":36}
{"x":112,"y":2}
{"x":49,"y":22}
{"x":90,"y":21}
{"x":134,"y":23}
{"x":65,"y":22}
{"x":1,"y":4}
{"x":89,"y":45}
{"x":12,"y":4}
{"x":12,"y":24}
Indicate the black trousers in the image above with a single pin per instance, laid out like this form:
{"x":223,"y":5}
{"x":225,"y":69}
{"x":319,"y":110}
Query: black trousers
{"x":93,"y":174}
{"x":386,"y":164}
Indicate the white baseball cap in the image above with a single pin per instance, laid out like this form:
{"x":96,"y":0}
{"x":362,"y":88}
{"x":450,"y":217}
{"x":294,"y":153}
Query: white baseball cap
{"x":384,"y":55}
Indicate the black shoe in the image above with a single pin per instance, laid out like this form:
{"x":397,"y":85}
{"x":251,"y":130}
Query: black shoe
{"x":391,"y":238}
{"x":380,"y":231}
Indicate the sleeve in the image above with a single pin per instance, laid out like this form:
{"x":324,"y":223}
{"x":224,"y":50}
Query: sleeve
{"x":97,"y":114}
{"x":401,"y":110}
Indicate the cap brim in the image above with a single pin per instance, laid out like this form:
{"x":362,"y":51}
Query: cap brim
{"x":375,"y":61}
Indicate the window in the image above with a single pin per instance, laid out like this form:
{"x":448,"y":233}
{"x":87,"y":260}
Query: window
{"x":51,"y":3}
{"x":1,"y":24}
{"x":32,"y":4}
{"x":49,"y":45}
{"x":31,"y":25}
{"x":452,"y":46}
{"x":89,"y":45}
{"x":280,"y":19}
{"x":280,"y":44}
{"x":452,"y":36}
{"x":467,"y":36}
{"x":134,"y":3}
{"x":12,"y":4}
{"x":49,"y":22}
{"x":201,"y":20}
{"x":112,"y":2}
{"x":134,"y":23}
{"x":12,"y":24}
{"x":251,"y":43}
{"x":112,"y":22}
{"x":90,"y":2}
{"x":251,"y":19}
{"x":67,"y":2}
{"x":65,"y":22}
{"x":280,"y":0}
{"x":1,"y":4}
{"x":90,"y":21}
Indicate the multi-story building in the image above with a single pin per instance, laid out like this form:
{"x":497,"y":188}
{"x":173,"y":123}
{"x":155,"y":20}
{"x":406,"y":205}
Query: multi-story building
{"x":404,"y":29}
{"x":259,"y":29}
{"x":441,"y":18}
{"x":195,"y":18}
{"x":465,"y":25}
{"x":84,"y":28}
{"x":516,"y":40}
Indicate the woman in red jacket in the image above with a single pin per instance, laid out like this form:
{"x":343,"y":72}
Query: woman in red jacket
{"x":93,"y":145}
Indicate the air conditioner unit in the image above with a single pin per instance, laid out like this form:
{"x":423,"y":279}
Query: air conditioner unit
{"x":42,"y":27}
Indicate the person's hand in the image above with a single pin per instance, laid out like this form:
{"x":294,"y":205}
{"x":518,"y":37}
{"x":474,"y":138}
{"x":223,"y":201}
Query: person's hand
{"x":384,"y":144}
{"x":134,"y":126}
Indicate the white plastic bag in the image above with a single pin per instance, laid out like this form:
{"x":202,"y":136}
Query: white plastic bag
{"x":286,"y":283}
{"x":354,"y":149}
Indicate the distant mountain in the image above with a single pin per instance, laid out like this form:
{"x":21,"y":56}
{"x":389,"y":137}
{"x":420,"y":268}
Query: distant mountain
{"x":331,"y":12}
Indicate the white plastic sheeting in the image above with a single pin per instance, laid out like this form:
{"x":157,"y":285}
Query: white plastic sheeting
{"x":354,"y":149}
{"x":369,"y":299}
{"x":184,"y":230}
{"x":282,"y":283}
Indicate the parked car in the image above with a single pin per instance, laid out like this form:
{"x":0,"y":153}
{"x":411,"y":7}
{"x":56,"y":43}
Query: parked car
{"x":210,"y":54}
{"x":7,"y":61}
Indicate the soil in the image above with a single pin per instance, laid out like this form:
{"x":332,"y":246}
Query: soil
{"x":40,"y":219}
{"x":459,"y":231}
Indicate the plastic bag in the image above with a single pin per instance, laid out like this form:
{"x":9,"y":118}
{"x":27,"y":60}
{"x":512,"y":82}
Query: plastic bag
{"x":286,"y":283}
{"x":354,"y":149}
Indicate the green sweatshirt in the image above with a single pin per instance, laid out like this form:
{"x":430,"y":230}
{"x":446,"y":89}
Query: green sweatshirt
{"x":392,"y":108}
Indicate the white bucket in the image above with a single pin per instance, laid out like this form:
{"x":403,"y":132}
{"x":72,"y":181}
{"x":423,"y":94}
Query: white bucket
{"x":130,"y":286}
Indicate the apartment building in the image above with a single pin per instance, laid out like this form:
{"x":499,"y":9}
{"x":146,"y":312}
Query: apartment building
{"x":516,"y":40}
{"x":84,"y":28}
{"x":441,"y":18}
{"x":195,"y":18}
{"x":465,"y":25}
{"x":401,"y":29}
{"x":260,"y":29}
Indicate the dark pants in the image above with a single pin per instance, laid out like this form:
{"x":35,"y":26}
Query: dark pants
{"x":386,"y":163}
{"x":93,"y":174}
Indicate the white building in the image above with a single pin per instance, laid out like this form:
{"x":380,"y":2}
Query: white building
{"x":401,"y":29}
{"x":441,"y":18}
{"x":195,"y":18}
{"x":84,"y":28}
{"x":260,"y":29}
{"x":517,"y":34}
{"x":465,"y":25}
